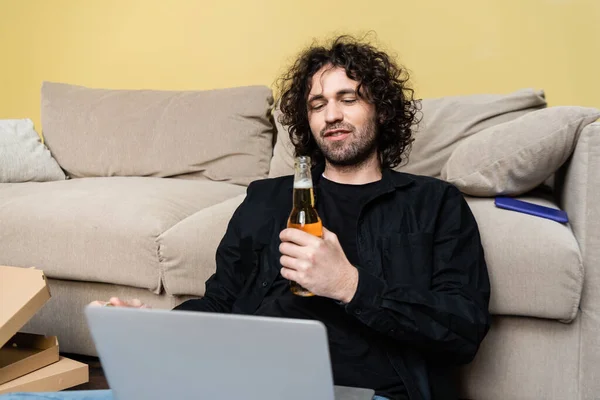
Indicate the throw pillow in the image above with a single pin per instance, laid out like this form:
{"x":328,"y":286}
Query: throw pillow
{"x":449,"y":120}
{"x":23,"y":157}
{"x":516,"y":156}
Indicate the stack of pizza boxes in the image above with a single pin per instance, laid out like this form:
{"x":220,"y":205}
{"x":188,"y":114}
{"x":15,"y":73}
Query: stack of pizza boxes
{"x":29,"y":362}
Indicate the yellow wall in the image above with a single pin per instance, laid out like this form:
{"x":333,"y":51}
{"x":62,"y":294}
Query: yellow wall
{"x":452,"y":47}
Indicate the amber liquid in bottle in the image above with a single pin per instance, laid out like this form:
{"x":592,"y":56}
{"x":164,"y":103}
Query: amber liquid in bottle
{"x":304,"y":215}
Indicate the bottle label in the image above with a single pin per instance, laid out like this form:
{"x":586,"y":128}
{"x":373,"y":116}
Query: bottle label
{"x":302,"y":218}
{"x":315,"y":229}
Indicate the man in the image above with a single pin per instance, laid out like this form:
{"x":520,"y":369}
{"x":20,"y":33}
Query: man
{"x":399,"y":275}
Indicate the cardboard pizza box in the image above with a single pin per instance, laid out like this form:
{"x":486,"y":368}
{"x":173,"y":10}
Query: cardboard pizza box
{"x":23,"y":291}
{"x":61,"y":375}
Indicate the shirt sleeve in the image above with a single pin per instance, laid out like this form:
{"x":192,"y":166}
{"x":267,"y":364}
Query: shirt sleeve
{"x":451,"y":318}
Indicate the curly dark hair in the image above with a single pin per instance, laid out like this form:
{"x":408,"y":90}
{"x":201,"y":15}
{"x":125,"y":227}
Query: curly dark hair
{"x":382,"y":82}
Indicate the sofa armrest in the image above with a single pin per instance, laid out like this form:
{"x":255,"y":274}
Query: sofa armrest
{"x":578,"y":188}
{"x":579,"y":191}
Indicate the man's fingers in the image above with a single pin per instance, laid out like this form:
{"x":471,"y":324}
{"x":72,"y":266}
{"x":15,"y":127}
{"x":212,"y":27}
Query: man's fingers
{"x":297,"y":236}
{"x":289,"y":274}
{"x":291,"y":249}
{"x":328,"y":235}
{"x":135,"y":303}
{"x":115,"y":301}
{"x":289,"y":262}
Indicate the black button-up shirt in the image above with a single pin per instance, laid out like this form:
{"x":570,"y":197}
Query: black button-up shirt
{"x":357,"y":353}
{"x":423,"y":280}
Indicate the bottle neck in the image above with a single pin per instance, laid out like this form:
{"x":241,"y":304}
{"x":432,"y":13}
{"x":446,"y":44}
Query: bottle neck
{"x":304,"y":198}
{"x":303,"y":186}
{"x":302,"y":175}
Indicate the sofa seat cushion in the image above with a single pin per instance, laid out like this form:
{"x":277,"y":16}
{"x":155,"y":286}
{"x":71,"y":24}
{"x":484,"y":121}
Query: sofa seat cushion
{"x":99,"y":229}
{"x":188,"y":249}
{"x":535,"y":264}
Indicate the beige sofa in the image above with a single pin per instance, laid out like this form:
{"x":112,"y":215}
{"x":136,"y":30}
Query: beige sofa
{"x":155,"y":176}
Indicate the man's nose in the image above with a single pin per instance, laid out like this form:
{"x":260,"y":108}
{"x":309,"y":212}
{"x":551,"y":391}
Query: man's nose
{"x":333,"y":113}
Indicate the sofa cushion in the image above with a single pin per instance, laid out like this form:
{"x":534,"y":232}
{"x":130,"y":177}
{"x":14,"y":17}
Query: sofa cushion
{"x":446,"y":122}
{"x":99,"y":229}
{"x":23,"y":157}
{"x":187,"y":250}
{"x":531,"y":274}
{"x":517,"y":156}
{"x":282,"y":162}
{"x":220,"y":135}
{"x":534,"y":264}
{"x":449,"y":120}
{"x":526,"y":358}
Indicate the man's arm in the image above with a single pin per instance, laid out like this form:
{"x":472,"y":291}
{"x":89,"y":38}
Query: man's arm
{"x":451,"y":318}
{"x":223,"y":287}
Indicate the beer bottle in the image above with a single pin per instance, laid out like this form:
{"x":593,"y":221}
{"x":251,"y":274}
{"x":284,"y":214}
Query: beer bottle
{"x":304,"y":215}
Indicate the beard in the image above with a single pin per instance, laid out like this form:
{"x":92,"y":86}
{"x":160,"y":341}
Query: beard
{"x":353,"y":150}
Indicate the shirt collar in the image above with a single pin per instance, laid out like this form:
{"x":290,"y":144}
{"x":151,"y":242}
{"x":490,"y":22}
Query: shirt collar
{"x":390,"y":179}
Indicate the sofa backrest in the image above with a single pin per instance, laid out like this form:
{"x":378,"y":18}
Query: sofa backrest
{"x":221,"y":135}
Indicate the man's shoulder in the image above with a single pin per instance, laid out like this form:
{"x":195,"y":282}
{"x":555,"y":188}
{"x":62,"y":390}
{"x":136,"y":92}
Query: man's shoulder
{"x":425,"y":191}
{"x":270,"y":192}
{"x":270,"y":185}
{"x":421,"y":181}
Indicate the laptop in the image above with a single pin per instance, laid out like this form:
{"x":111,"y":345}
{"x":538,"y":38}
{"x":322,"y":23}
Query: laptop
{"x":159,"y":354}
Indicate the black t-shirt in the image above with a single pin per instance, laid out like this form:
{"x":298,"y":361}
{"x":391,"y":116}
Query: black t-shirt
{"x":357,"y":356}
